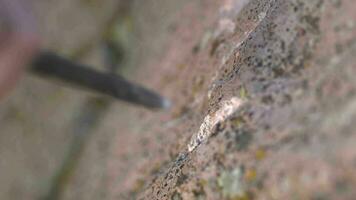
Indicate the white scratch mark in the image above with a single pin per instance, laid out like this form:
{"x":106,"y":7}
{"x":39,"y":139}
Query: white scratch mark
{"x":210,"y":121}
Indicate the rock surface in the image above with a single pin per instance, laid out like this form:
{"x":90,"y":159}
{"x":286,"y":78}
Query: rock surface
{"x":290,"y":66}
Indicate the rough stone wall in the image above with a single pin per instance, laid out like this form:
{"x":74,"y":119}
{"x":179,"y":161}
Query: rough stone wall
{"x":265,"y":104}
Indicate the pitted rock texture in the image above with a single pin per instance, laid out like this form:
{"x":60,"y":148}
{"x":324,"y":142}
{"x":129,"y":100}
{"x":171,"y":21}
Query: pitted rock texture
{"x":292,"y":65}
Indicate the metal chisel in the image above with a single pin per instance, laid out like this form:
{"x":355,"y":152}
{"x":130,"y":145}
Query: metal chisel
{"x":50,"y":64}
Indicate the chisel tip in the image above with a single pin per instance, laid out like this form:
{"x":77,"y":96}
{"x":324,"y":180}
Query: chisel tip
{"x":166,"y":104}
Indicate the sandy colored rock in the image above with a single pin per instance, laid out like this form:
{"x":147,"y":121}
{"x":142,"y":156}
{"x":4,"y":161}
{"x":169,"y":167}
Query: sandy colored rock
{"x":290,"y":65}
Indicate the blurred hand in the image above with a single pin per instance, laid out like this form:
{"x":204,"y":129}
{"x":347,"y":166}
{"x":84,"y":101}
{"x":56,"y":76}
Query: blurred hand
{"x":18,"y":42}
{"x":15,"y":52}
